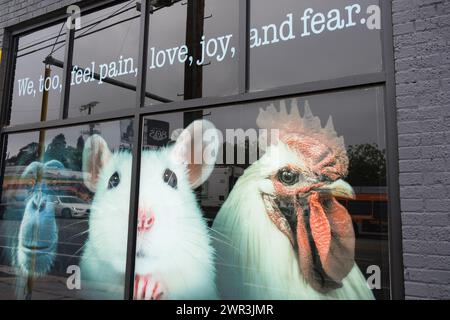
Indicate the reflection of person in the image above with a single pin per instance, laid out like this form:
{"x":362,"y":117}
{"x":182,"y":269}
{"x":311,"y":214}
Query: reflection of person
{"x":38,"y":233}
{"x":285,"y":236}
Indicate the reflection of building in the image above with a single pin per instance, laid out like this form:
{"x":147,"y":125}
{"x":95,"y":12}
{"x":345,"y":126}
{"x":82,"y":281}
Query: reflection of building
{"x":219,"y":185}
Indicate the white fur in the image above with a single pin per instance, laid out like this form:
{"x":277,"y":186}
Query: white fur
{"x":177,"y":251}
{"x":254,"y":259}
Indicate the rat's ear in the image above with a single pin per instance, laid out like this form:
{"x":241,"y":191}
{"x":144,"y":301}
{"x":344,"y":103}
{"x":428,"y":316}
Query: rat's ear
{"x":197,"y":147}
{"x":95,"y":155}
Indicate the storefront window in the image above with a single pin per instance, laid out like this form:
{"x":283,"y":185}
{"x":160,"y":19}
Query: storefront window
{"x":105,"y":61}
{"x":38,"y":84}
{"x":281,"y":197}
{"x":62,"y":236}
{"x":294,"y":42}
{"x":196,"y":54}
{"x":230,"y":161}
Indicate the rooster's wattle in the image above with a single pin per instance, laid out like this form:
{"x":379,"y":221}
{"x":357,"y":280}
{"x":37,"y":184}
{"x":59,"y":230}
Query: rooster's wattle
{"x":282,"y":234}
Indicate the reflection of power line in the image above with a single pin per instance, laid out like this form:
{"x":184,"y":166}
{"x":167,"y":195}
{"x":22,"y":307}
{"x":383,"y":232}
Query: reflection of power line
{"x":109,"y":17}
{"x":86,"y":24}
{"x":96,"y":76}
{"x":79,"y":37}
{"x":159,"y":5}
{"x":83,"y":34}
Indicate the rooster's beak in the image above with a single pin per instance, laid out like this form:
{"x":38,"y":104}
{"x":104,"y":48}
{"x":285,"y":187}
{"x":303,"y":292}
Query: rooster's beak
{"x":340,"y":189}
{"x":321,"y":231}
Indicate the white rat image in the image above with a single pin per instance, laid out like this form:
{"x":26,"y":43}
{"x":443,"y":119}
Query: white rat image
{"x":174,"y":257}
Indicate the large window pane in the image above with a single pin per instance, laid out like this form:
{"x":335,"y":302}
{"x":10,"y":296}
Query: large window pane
{"x":37,"y":84}
{"x":105,"y":61}
{"x":258,"y":199}
{"x":301,"y":41}
{"x":64,"y":213}
{"x":193,"y":51}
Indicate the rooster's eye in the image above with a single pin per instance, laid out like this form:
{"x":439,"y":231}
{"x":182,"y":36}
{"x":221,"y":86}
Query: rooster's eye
{"x":288,"y":177}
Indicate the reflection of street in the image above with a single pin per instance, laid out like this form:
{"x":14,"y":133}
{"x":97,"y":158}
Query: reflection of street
{"x":72,"y":235}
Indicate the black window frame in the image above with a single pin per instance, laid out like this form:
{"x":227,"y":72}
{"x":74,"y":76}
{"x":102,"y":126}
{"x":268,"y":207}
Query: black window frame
{"x":385,"y":79}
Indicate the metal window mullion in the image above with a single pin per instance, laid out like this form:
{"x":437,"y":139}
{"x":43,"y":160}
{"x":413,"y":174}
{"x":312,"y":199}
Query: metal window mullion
{"x":310,"y":88}
{"x":244,"y":45}
{"x":316,"y":87}
{"x":394,"y":217}
{"x":137,"y":147}
{"x":325,"y":86}
{"x":7,"y":66}
{"x":67,"y":71}
{"x":56,"y":124}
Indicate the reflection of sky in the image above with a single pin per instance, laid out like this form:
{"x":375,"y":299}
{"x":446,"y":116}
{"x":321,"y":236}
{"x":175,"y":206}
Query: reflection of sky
{"x":26,"y":109}
{"x":322,"y":56}
{"x":328,"y":55}
{"x":104,"y":47}
{"x":219,"y":78}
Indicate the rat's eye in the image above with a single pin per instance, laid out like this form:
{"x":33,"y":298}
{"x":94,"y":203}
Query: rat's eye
{"x":170,"y":178}
{"x":114,"y":181}
{"x":288,"y":177}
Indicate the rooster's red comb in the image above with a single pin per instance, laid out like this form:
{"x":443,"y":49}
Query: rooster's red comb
{"x":306,"y":135}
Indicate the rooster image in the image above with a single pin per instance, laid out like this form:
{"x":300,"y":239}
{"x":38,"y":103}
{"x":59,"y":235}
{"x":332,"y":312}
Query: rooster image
{"x":282,"y":234}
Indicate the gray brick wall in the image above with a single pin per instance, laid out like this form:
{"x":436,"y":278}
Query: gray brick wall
{"x":422,"y":62}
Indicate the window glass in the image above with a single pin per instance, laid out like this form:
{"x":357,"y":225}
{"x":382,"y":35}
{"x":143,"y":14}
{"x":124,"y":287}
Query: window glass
{"x":235,"y":212}
{"x":301,"y":41}
{"x":37,"y":84}
{"x":187,"y":55}
{"x":64,"y":213}
{"x":105,"y":61}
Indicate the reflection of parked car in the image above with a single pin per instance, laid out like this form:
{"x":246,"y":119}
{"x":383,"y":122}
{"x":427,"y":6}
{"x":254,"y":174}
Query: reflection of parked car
{"x":70,"y":207}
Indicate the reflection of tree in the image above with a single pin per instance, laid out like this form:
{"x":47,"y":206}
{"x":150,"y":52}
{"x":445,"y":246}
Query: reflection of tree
{"x":69,"y":156}
{"x":58,"y":149}
{"x":25,"y":156}
{"x":367,"y":165}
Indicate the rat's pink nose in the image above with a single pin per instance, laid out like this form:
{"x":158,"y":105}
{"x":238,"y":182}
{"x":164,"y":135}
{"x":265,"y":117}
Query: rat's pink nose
{"x":146,"y":220}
